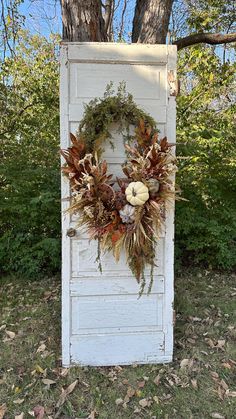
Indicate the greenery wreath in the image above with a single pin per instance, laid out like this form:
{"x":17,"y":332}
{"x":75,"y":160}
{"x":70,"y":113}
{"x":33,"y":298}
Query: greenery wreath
{"x":125,"y":213}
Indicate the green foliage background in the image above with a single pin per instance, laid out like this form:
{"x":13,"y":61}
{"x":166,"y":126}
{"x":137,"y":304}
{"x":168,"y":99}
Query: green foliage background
{"x":206,"y":135}
{"x":30,"y":167}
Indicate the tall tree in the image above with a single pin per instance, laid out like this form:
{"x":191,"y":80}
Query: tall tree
{"x":83,"y":21}
{"x":92,"y":20}
{"x":151,"y":21}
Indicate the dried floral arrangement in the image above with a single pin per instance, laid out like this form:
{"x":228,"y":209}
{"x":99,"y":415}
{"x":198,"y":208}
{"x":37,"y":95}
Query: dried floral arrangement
{"x":125,"y":213}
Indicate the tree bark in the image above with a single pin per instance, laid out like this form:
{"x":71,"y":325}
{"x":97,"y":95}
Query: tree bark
{"x":207,"y":38}
{"x":151,"y":21}
{"x":82,"y":21}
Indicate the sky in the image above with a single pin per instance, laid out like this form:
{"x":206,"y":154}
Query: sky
{"x":42,"y":16}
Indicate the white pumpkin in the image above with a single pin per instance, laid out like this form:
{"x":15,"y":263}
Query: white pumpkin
{"x":137,"y":193}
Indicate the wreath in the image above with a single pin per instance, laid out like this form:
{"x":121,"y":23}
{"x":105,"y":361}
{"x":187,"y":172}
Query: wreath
{"x":123,"y":213}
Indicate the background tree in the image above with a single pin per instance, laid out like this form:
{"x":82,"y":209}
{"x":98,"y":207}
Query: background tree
{"x":92,"y":21}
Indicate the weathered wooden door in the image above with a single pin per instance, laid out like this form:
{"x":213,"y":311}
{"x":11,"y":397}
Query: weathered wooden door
{"x":103,"y":320}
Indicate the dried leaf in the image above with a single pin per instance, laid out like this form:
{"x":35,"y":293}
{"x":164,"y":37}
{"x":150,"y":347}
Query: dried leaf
{"x":41,"y":348}
{"x":216,"y":415}
{"x":220,"y":344}
{"x":155,"y":398}
{"x":48,"y":382}
{"x":186,"y":363}
{"x":141,"y":384}
{"x":92,"y":415}
{"x":210,"y":342}
{"x":130,"y":392}
{"x":64,"y":372}
{"x":231,"y":393}
{"x":157,"y":379}
{"x":220,"y":392}
{"x":145,"y":402}
{"x":226,"y":365}
{"x":10,"y":334}
{"x":18,"y":401}
{"x":214,"y":375}
{"x":223,"y":384}
{"x":21,"y":416}
{"x":119,"y":401}
{"x":39,"y":412}
{"x":66,"y":392}
{"x":3,"y":409}
{"x":194,"y":383}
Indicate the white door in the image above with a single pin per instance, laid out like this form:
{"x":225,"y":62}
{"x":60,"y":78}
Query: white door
{"x":103,"y":320}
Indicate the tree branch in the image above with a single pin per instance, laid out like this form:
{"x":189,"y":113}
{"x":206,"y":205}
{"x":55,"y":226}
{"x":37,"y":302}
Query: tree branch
{"x":208,"y":38}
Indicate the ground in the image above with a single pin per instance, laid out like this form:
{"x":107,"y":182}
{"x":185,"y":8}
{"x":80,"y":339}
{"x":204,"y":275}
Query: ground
{"x":200,"y":383}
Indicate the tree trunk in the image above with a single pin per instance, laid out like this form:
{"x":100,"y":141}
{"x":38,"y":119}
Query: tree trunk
{"x":82,"y":21}
{"x":151,"y":21}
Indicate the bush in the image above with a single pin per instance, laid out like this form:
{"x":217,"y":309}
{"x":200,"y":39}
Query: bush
{"x":206,"y":223}
{"x":30,"y":167}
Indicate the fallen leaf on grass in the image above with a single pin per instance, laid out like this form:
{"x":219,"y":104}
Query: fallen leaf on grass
{"x":186,"y":363}
{"x":64,"y":372}
{"x":216,"y":415}
{"x":222,"y":389}
{"x":48,"y":382}
{"x":214,"y":375}
{"x":141,"y":384}
{"x":125,"y":382}
{"x":145,"y":403}
{"x":166,"y":396}
{"x":230,"y":393}
{"x":10,"y":334}
{"x":92,"y":415}
{"x":18,"y":401}
{"x":137,"y":410}
{"x":119,"y":401}
{"x":194,"y":383}
{"x":3,"y":327}
{"x":157,"y":380}
{"x":21,"y":416}
{"x":195,"y":319}
{"x":130,"y":392}
{"x":66,"y":392}
{"x":210,"y":342}
{"x":224,"y":385}
{"x":226,"y":365}
{"x":156,"y":399}
{"x":39,"y":412}
{"x":3,"y":409}
{"x":41,"y":348}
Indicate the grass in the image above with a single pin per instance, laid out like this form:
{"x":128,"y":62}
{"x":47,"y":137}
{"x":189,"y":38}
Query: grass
{"x":200,"y":383}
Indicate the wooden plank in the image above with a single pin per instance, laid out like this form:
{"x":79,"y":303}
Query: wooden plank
{"x":84,"y":254}
{"x":169,"y":240}
{"x":114,"y":313}
{"x":66,"y":250}
{"x":121,"y":53}
{"x":111,"y":286}
{"x":142,"y":81}
{"x":113,"y":349}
